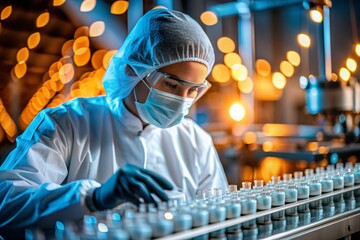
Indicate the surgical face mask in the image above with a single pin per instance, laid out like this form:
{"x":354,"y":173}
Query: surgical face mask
{"x":163,"y":109}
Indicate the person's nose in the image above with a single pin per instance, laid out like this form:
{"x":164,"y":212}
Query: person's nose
{"x":183,"y":93}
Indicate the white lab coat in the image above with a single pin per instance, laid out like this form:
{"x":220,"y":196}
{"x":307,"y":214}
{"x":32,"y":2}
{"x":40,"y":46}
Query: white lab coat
{"x":70,"y":149}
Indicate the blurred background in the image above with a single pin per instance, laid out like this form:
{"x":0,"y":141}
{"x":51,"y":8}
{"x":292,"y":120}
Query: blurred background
{"x":285,"y":91}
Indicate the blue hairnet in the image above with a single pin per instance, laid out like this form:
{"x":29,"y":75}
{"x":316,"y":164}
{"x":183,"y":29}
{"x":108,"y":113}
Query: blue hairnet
{"x":161,"y":37}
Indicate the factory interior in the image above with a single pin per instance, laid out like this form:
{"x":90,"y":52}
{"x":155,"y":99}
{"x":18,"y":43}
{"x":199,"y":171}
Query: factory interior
{"x":285,"y":93}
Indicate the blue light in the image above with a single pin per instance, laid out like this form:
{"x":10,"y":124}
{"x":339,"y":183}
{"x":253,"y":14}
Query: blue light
{"x":59,"y":226}
{"x":334,"y":158}
{"x":303,"y":81}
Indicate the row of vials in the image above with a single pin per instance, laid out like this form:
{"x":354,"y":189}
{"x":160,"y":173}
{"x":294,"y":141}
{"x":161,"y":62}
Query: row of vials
{"x":211,"y":206}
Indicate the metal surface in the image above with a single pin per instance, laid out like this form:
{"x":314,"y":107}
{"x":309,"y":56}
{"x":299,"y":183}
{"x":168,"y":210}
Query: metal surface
{"x":343,"y":153}
{"x":335,"y":227}
{"x":221,"y":225}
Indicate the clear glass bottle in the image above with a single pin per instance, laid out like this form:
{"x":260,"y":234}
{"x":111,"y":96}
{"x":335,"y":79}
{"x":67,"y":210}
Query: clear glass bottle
{"x":116,"y":229}
{"x":277,"y":197}
{"x":314,"y":183}
{"x":303,"y":190}
{"x":349,"y":181}
{"x":233,"y":210}
{"x":217,"y":212}
{"x":291,"y":196}
{"x":216,"y":207}
{"x":338,"y":179}
{"x":357,"y":173}
{"x":232,"y":203}
{"x":303,"y":193}
{"x":200,"y":214}
{"x":248,"y":205}
{"x":349,"y":178}
{"x":136,"y":224}
{"x":263,"y":200}
{"x":291,"y":193}
{"x":327,"y":186}
{"x":315,"y":190}
{"x":182,"y":216}
{"x":357,"y":182}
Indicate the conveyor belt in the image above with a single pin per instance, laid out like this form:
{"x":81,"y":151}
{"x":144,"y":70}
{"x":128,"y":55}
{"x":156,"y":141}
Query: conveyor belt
{"x":339,"y":224}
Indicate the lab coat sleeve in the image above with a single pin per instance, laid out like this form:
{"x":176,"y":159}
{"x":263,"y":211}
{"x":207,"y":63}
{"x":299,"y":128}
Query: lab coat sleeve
{"x":31,"y":189}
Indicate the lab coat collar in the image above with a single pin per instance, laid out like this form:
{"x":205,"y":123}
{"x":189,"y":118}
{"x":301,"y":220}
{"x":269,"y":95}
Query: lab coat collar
{"x":129,"y":121}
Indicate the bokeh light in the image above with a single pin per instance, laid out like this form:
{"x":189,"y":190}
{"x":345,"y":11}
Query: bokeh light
{"x":80,"y":45}
{"x":97,"y":58}
{"x":107,"y":57}
{"x":209,"y":18}
{"x":239,"y":72}
{"x":57,"y":3}
{"x":82,"y":56}
{"x":97,"y":29}
{"x":286,"y":68}
{"x":344,"y":74}
{"x":237,"y":112}
{"x":357,"y":49}
{"x":33,"y":40}
{"x":316,"y":15}
{"x":42,"y":19}
{"x":20,"y":69}
{"x":351,"y":64}
{"x":22,"y":55}
{"x":304,"y":40}
{"x":6,"y":12}
{"x":262,"y":67}
{"x":246,"y":86}
{"x":279,"y":80}
{"x":293,"y":57}
{"x":230,"y":59}
{"x":226,"y":44}
{"x":220,"y":73}
{"x":87,"y":5}
{"x":119,"y":7}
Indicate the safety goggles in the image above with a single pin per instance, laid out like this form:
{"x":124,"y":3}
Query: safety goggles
{"x":172,"y":84}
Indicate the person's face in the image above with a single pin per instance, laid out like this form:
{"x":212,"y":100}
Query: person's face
{"x":191,"y":72}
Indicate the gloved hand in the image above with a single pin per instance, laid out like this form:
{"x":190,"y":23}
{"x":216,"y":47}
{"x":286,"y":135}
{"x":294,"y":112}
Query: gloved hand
{"x":129,"y":184}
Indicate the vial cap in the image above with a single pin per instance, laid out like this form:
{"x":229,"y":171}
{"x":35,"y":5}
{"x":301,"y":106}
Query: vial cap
{"x":339,"y":166}
{"x":287,"y":176}
{"x":319,"y":170}
{"x":298,"y":174}
{"x":232,"y":188}
{"x":309,"y":172}
{"x":258,"y":183}
{"x":217,"y":192}
{"x":275,"y":179}
{"x":246,"y":185}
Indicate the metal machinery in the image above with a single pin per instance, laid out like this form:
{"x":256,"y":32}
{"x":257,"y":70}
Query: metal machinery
{"x":335,"y":103}
{"x":331,"y":215}
{"x":327,"y":226}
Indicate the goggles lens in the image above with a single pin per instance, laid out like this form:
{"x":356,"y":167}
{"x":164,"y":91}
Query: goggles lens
{"x":172,"y":84}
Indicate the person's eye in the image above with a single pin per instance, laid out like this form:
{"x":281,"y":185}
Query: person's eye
{"x":194,"y":89}
{"x":170,"y":85}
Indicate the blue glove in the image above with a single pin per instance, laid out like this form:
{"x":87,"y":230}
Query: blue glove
{"x":129,"y":184}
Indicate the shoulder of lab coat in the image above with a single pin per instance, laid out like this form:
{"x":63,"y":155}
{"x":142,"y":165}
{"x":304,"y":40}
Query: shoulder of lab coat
{"x":32,"y":174}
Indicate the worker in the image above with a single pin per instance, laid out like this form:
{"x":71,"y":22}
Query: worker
{"x":93,"y":154}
